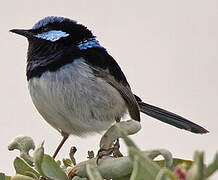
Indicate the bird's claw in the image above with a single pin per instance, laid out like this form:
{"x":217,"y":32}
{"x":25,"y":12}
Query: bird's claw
{"x":107,"y":152}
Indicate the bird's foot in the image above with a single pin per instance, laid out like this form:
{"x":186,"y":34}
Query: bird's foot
{"x":116,"y":152}
{"x":107,"y":152}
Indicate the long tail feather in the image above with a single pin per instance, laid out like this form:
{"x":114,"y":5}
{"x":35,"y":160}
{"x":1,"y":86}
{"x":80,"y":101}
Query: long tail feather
{"x":170,"y":118}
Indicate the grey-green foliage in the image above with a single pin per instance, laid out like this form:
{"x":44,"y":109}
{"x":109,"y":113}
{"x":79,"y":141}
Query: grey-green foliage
{"x":21,"y":167}
{"x":212,"y":167}
{"x":2,"y":176}
{"x":24,"y":144}
{"x":93,"y":172}
{"x":138,"y":165}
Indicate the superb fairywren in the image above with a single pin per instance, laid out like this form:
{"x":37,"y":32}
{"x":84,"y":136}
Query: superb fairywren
{"x":76,"y":86}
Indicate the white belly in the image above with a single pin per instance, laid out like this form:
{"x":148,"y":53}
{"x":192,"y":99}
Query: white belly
{"x":73,"y":100}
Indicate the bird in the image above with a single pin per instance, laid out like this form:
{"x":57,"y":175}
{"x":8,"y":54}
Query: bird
{"x":77,"y":86}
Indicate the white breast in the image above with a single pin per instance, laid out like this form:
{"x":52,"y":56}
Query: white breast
{"x":73,"y":100}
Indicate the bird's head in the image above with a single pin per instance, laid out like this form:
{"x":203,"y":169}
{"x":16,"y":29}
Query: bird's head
{"x":59,"y":31}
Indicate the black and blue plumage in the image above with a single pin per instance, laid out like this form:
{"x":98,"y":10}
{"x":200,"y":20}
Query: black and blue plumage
{"x":77,"y":86}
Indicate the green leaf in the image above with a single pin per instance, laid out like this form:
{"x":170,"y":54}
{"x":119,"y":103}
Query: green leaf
{"x":78,"y":178}
{"x":67,"y":162}
{"x":196,"y":172}
{"x":110,"y":168}
{"x":51,"y":170}
{"x":138,"y":170}
{"x":58,"y":163}
{"x":143,"y":167}
{"x":23,"y":168}
{"x":123,"y":178}
{"x":2,"y":176}
{"x":152,"y":154}
{"x":38,"y":157}
{"x":165,"y":174}
{"x":212,"y":167}
{"x":176,"y":162}
{"x":24,"y":144}
{"x":93,"y":172}
{"x":47,"y":166}
{"x":7,"y":177}
{"x":21,"y":177}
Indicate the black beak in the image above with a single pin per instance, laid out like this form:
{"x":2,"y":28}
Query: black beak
{"x":22,"y":32}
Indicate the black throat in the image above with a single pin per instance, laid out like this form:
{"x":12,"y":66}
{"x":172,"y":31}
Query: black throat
{"x":42,"y":57}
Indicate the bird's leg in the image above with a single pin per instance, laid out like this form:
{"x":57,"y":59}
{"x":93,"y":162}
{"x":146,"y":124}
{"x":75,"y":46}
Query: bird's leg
{"x":65,"y":136}
{"x":116,"y":152}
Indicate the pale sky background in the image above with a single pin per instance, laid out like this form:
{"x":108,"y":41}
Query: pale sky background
{"x":167,"y":50}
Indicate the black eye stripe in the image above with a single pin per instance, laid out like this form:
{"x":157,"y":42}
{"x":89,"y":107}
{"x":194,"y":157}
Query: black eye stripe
{"x":45,"y":29}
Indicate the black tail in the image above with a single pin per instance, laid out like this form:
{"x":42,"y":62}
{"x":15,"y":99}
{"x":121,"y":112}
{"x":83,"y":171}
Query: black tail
{"x":170,"y":118}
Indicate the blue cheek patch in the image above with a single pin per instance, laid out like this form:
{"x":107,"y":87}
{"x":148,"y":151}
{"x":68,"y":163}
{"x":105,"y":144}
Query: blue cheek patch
{"x":90,"y":43}
{"x":52,"y":35}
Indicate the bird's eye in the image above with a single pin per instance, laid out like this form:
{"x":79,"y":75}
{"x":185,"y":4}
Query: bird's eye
{"x":45,"y":29}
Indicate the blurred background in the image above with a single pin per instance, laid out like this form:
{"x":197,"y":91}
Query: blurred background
{"x":167,"y":50}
